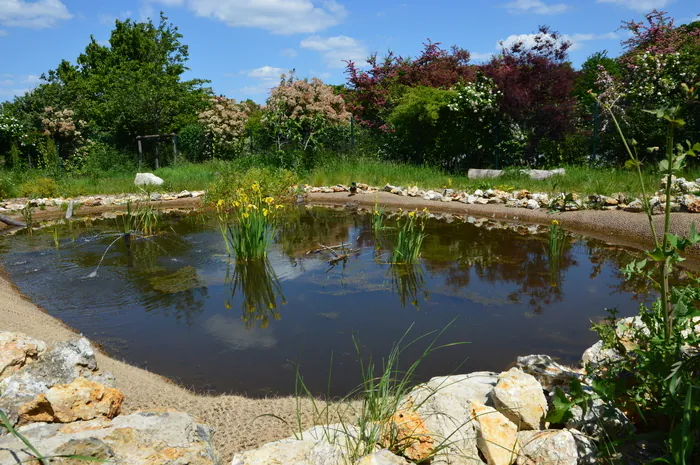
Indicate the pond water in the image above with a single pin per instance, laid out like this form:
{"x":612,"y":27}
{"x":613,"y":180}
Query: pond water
{"x":178,"y":306}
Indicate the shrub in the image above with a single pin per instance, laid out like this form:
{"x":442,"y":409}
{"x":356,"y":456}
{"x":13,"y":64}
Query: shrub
{"x":102,"y":158}
{"x":7,"y":187}
{"x":193,"y":143}
{"x":225,"y":123}
{"x":38,"y":188}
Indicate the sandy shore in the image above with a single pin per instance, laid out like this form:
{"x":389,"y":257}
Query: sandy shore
{"x":236,"y":419}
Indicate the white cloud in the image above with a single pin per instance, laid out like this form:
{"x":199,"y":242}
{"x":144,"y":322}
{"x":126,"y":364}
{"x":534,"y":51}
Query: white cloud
{"x":233,"y":332}
{"x":337,"y":50}
{"x":576,"y":40}
{"x":476,"y":56}
{"x":277,"y":16}
{"x":32,"y":79}
{"x":537,"y":7}
{"x":3,"y":32}
{"x":641,"y":6}
{"x":6,"y":82}
{"x":289,"y":53}
{"x":38,"y":15}
{"x":108,"y":20}
{"x":266,"y":73}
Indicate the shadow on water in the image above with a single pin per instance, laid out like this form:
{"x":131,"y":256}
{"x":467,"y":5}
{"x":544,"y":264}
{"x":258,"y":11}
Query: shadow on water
{"x":177,"y":304}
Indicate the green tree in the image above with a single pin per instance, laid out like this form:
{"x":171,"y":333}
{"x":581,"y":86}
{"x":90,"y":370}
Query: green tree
{"x":588,"y":77}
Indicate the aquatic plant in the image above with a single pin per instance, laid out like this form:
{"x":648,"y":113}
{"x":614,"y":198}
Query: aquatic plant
{"x":378,"y":214}
{"x":223,"y":218}
{"x":144,"y":218}
{"x":254,"y":219}
{"x":257,"y":281}
{"x":410,"y":239}
{"x":557,"y":238}
{"x":27,"y":216}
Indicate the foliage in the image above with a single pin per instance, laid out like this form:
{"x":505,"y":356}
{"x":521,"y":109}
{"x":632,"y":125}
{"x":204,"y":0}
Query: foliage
{"x":38,"y":188}
{"x":537,"y":84}
{"x":193,"y":144}
{"x":299,"y":111}
{"x":224,"y":121}
{"x":377,"y":218}
{"x":573,"y":149}
{"x":273,"y":182}
{"x":587,"y":79}
{"x":410,"y":239}
{"x":254,"y":218}
{"x":654,"y":377}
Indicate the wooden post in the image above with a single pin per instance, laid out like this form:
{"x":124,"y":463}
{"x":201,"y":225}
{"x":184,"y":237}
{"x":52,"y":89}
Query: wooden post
{"x":140,"y":153}
{"x":174,"y":150}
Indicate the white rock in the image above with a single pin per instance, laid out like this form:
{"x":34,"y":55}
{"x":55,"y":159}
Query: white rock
{"x":553,"y":447}
{"x":292,"y":452}
{"x":184,"y":194}
{"x":480,"y":173}
{"x":532,"y":204}
{"x":382,"y":457}
{"x":497,"y":436}
{"x":596,"y":354}
{"x":520,"y":397}
{"x":147,"y":179}
{"x":478,"y":193}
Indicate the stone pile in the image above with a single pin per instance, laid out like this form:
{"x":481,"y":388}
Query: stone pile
{"x":684,"y":198}
{"x":15,"y":205}
{"x":56,"y":397}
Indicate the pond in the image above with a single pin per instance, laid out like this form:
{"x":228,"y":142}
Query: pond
{"x":178,"y":306}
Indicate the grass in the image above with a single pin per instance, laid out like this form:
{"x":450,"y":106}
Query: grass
{"x":187,"y":176}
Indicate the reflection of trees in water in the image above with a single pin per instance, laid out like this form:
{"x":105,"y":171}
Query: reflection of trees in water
{"x":257,"y":285}
{"x":601,"y":255}
{"x":408,"y":281}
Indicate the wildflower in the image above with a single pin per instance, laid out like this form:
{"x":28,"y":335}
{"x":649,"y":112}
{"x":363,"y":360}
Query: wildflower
{"x":220,"y":203}
{"x":555,"y":222}
{"x":412,"y":215}
{"x":246,"y":215}
{"x":265,"y":212}
{"x":237,"y":204}
{"x":268,"y":200}
{"x":425,"y":210}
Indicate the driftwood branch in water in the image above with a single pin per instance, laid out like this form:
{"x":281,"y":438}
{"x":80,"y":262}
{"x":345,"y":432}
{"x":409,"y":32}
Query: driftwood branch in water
{"x":11,"y":222}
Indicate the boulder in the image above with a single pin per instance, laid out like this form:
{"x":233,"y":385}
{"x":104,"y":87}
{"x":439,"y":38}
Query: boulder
{"x":533,"y":204}
{"x":63,"y":363}
{"x":585,"y":447}
{"x":547,"y":372}
{"x":520,"y":398}
{"x":144,"y":438}
{"x":552,"y":447}
{"x":292,"y":452}
{"x":636,"y":206}
{"x":66,"y":403}
{"x":600,"y":420}
{"x":439,"y":411}
{"x":497,"y":436}
{"x":540,"y":175}
{"x":344,"y":436}
{"x":382,"y":457}
{"x":597,"y":354}
{"x":147,"y":179}
{"x":482,"y":174}
{"x":16,"y":351}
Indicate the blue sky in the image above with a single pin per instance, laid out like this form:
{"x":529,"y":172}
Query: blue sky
{"x":243,"y":45}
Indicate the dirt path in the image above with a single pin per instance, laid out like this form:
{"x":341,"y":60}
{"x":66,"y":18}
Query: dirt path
{"x":236,"y":419}
{"x":617,"y":227}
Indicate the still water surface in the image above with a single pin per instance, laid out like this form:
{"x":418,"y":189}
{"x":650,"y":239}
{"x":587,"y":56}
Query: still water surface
{"x":178,"y":306}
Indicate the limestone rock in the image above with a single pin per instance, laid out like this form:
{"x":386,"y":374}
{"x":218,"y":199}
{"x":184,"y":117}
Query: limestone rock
{"x":292,"y":452}
{"x":540,"y":175}
{"x":497,"y":436}
{"x":155,"y":196}
{"x":64,"y":362}
{"x":597,"y":354}
{"x":442,"y":408}
{"x":407,"y":432}
{"x":147,"y":179}
{"x":585,"y":448}
{"x":66,"y":403}
{"x":520,"y":398}
{"x":16,"y":351}
{"x":144,"y":438}
{"x":552,"y":447}
{"x":635,"y":206}
{"x":184,"y":194}
{"x":547,"y":372}
{"x":344,"y":436}
{"x":481,"y":173}
{"x":533,"y":204}
{"x":382,"y":457}
{"x":599,"y":419}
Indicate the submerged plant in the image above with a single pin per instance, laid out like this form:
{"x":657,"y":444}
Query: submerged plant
{"x":254,"y":220}
{"x":257,"y":281}
{"x":410,"y":239}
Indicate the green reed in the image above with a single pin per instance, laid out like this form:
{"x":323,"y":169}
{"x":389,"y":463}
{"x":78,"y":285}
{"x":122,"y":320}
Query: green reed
{"x":55,"y":230}
{"x":378,"y":214}
{"x":28,"y":217}
{"x":252,"y":231}
{"x":410,"y":239}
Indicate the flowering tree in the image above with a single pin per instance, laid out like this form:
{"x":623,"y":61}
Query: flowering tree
{"x":225,"y":123}
{"x":299,"y":111}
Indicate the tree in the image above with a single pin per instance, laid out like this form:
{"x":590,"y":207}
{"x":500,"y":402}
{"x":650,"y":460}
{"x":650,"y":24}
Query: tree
{"x":587,"y":79}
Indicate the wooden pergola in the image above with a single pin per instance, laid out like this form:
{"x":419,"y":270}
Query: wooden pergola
{"x":158,"y":138}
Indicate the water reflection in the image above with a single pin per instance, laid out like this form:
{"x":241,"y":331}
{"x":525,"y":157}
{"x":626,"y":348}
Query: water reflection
{"x":408,"y":282}
{"x":256,"y":283}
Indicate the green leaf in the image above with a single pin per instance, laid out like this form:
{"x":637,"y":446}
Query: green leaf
{"x":657,"y":255}
{"x":663,"y":166}
{"x":561,"y":407}
{"x":631,"y":164}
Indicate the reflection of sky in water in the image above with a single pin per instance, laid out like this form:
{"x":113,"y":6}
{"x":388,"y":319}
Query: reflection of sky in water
{"x":496,"y":283}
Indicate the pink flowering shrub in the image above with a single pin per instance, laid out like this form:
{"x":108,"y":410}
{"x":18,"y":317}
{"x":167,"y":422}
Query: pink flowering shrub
{"x":225,"y":123}
{"x":299,"y":112}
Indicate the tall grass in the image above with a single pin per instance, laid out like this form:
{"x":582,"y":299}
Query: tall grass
{"x":557,"y":238}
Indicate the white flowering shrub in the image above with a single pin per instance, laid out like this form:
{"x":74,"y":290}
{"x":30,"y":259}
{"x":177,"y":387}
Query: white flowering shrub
{"x":225,"y":122}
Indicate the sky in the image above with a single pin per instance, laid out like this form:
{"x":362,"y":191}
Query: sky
{"x":242,"y":46}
